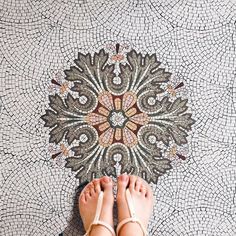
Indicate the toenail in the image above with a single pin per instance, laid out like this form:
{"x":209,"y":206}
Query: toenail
{"x":107,"y":179}
{"x":123,"y":177}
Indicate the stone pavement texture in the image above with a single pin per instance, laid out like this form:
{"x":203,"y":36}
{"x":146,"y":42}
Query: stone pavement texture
{"x":92,"y":88}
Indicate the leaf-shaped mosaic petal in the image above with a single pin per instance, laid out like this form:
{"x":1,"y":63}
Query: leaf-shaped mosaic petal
{"x":143,"y":73}
{"x":91,"y":72}
{"x":65,"y":118}
{"x":172,"y":121}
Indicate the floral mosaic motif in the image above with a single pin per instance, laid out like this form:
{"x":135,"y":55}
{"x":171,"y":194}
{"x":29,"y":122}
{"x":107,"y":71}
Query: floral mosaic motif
{"x":111,"y":116}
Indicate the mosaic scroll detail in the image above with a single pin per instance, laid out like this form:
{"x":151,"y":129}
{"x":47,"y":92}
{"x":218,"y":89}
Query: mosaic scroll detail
{"x":115,"y":116}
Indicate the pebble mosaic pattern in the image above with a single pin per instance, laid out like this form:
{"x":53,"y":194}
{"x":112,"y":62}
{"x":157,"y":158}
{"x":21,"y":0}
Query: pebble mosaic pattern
{"x":194,"y":41}
{"x":109,"y":122}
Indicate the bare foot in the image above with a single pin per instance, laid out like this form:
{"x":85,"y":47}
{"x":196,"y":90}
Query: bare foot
{"x":88,"y":204}
{"x":142,"y":197}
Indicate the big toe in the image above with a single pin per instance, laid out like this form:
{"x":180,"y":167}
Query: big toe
{"x":106,"y":184}
{"x":107,"y":187}
{"x":122,"y":184}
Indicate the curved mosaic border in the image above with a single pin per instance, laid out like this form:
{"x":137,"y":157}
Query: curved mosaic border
{"x":117,"y":113}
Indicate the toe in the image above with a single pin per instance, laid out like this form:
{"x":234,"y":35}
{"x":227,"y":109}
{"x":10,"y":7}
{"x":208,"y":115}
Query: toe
{"x":87,"y":196}
{"x":143,"y":190}
{"x":82,"y":199}
{"x":92,"y":189}
{"x":86,"y":188}
{"x":122,"y":184}
{"x":89,"y":188}
{"x":138,"y":185}
{"x":97,"y":185}
{"x":107,"y":186}
{"x":149,"y":193}
{"x":106,"y":183}
{"x":132,"y":180}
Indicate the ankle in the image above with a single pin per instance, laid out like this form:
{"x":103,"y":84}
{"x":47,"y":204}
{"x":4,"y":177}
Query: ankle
{"x":131,"y":229}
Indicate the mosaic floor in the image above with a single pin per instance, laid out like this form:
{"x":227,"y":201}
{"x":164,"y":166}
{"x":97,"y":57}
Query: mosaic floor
{"x":92,"y":88}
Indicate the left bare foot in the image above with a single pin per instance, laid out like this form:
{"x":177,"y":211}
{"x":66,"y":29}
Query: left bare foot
{"x":88,"y":204}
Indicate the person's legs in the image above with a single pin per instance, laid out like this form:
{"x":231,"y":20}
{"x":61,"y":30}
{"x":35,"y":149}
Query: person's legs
{"x":88,"y":204}
{"x":142,"y":197}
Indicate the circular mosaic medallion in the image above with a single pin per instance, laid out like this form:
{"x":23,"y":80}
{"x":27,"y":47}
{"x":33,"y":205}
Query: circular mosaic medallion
{"x":117,"y":116}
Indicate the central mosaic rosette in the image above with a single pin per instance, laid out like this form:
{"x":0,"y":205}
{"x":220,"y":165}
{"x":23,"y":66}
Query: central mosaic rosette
{"x":117,"y":119}
{"x":114,"y":117}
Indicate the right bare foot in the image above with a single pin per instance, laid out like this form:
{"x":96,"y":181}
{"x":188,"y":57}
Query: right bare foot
{"x":142,"y":197}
